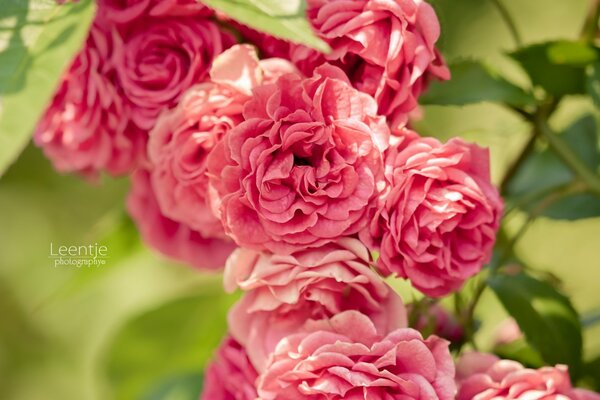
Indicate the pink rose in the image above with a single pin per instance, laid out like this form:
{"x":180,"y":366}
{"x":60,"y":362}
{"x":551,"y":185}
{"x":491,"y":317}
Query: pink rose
{"x":283,"y":292}
{"x":164,"y":57}
{"x":485,"y":377}
{"x":437,"y":221}
{"x":173,"y":239}
{"x":185,"y":135}
{"x":230,"y":376}
{"x":345,"y":358}
{"x":124,"y":11}
{"x":85,"y":128}
{"x":178,"y":8}
{"x":507,"y":332}
{"x":387,"y":47}
{"x":303,"y":168}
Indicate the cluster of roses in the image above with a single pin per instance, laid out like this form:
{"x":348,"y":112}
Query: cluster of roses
{"x":304,"y":160}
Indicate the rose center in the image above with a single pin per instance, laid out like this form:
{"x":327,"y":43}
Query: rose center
{"x":301,"y":161}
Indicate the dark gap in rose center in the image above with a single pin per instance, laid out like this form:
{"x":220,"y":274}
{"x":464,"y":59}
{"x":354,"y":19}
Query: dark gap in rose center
{"x":298,"y":161}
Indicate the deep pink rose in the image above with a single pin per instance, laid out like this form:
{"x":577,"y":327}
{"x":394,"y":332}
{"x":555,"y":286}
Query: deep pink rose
{"x":303,"y":168}
{"x":387,"y":47}
{"x":230,"y":376}
{"x":485,"y":377}
{"x":169,"y":237}
{"x":437,"y":220}
{"x":185,"y":135}
{"x":164,"y":57}
{"x":124,"y":11}
{"x":85,"y":128}
{"x":283,"y":292}
{"x":345,"y":358}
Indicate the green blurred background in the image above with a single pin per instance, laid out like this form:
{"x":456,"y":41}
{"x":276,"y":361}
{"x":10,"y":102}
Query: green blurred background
{"x":141,"y":327}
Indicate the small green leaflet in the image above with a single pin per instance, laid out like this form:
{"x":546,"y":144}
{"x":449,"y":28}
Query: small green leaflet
{"x":557,"y":67}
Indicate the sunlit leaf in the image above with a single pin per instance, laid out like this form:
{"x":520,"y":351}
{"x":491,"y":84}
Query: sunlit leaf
{"x":38,"y":39}
{"x":576,"y":54}
{"x":282,"y":19}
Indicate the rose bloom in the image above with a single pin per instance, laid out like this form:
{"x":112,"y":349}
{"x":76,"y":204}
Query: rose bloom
{"x":387,"y":48}
{"x":171,"y":238}
{"x":184,"y":136}
{"x":303,"y":168}
{"x":437,"y":220}
{"x":163,"y":57}
{"x":346,"y":358}
{"x":124,"y":11}
{"x":230,"y":376}
{"x":85,"y":128}
{"x":486,"y":377}
{"x":283,"y":292}
{"x":507,"y":332}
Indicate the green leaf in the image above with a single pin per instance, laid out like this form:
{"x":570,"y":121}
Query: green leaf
{"x":546,"y":317}
{"x":543,"y":179}
{"x":519,"y":350}
{"x":573,"y":207}
{"x":176,"y":338}
{"x":576,"y":54}
{"x":38,"y":38}
{"x":592,"y":374}
{"x":590,"y":319}
{"x":593,"y":83}
{"x":282,"y":19}
{"x":181,"y":387}
{"x":474,"y":82}
{"x":557,"y":67}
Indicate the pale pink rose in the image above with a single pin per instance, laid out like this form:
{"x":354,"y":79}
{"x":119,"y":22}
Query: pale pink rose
{"x":387,"y":47}
{"x":346,"y":358}
{"x":162,"y":58}
{"x":483,"y":376}
{"x":169,"y":237}
{"x":507,"y":332}
{"x":435,"y":319}
{"x":283,"y":292}
{"x":184,"y":136}
{"x":273,"y":68}
{"x":230,"y":376}
{"x":302,"y":170}
{"x":125,"y":11}
{"x":85,"y":128}
{"x":437,"y":220}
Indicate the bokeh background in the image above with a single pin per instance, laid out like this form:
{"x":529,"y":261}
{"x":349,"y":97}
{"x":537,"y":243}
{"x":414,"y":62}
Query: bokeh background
{"x":141,"y":327}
